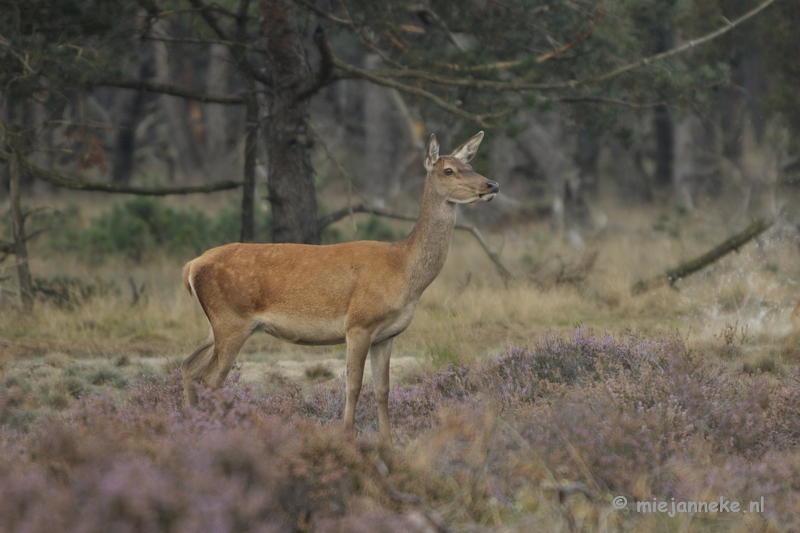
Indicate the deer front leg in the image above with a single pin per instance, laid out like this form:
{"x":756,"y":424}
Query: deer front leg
{"x":358,"y":341}
{"x":379,"y":355}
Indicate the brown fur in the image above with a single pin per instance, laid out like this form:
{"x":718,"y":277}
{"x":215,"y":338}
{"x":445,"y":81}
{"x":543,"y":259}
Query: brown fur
{"x":796,"y":317}
{"x":363,"y":293}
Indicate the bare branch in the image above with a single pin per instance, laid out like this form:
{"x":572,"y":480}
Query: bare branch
{"x":237,"y":48}
{"x":324,"y":14}
{"x":598,"y":17}
{"x":372,"y":210}
{"x":68,"y":183}
{"x":677,"y":50}
{"x":501,"y":268}
{"x":427,"y":15}
{"x":156,"y":12}
{"x":199,"y":40}
{"x":612,"y":101}
{"x":519,"y":86}
{"x":368,"y":42}
{"x":205,"y":12}
{"x":499,"y":65}
{"x":371,"y":75}
{"x":163,"y":88}
{"x":325,"y":73}
{"x":36,"y":233}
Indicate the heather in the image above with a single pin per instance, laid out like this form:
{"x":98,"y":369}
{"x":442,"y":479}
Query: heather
{"x":536,"y":438}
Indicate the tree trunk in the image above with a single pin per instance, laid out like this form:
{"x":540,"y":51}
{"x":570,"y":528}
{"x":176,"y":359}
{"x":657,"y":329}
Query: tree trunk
{"x":132,"y":107}
{"x":385,"y":139}
{"x":216,"y":131}
{"x":176,"y":111}
{"x":291,"y":186}
{"x":5,"y":170}
{"x":632,"y":181}
{"x":248,"y":229}
{"x":663,"y":126}
{"x":665,"y":152}
{"x":249,"y":188}
{"x":20,"y":246}
{"x":543,"y":141}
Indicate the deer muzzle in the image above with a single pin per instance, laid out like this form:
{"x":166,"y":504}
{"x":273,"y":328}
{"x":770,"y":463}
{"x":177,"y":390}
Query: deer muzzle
{"x":493,"y":188}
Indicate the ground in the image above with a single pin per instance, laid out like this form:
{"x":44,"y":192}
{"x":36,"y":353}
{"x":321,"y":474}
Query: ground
{"x":729,"y":326}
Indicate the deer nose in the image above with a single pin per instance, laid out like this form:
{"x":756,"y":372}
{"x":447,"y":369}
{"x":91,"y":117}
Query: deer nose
{"x":493,"y":186}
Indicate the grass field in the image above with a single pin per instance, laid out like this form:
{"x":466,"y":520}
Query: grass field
{"x":525,"y":407}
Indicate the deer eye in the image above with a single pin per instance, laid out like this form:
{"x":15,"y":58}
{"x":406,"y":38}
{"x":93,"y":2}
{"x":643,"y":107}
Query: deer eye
{"x":448,"y":171}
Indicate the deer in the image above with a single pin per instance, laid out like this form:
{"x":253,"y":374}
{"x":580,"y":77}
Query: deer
{"x":361,"y":293}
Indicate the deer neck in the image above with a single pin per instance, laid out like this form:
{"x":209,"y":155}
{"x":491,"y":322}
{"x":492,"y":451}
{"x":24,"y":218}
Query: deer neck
{"x":429,"y":241}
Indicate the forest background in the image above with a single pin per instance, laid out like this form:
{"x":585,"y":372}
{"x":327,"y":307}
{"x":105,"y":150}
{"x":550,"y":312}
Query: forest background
{"x":628,"y":137}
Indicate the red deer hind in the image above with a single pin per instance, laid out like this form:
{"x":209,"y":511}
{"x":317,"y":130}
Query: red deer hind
{"x":362,"y":293}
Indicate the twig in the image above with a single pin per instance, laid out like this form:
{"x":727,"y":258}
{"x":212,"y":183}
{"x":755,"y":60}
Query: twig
{"x":323,"y":13}
{"x":518,"y":86}
{"x":325,"y":73}
{"x":163,"y":88}
{"x":680,"y":49}
{"x":137,"y":291}
{"x":198,"y":40}
{"x":380,"y":78}
{"x":368,"y":42}
{"x":501,"y":268}
{"x":599,"y":14}
{"x":612,"y":101}
{"x":237,"y":49}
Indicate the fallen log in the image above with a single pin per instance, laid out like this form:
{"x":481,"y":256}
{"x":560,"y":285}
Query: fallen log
{"x":693,"y":265}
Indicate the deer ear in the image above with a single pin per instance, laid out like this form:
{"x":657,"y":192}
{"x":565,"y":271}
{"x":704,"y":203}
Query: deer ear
{"x":467,"y":151}
{"x":432,"y":153}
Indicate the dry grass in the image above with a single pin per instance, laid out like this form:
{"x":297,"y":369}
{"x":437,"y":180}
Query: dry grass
{"x":524,"y":467}
{"x":467,"y":310}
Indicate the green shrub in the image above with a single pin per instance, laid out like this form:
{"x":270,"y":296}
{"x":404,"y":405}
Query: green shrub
{"x":442,"y":355}
{"x":106,"y":375}
{"x":374,"y":229}
{"x":141,"y":224}
{"x":319,"y":371}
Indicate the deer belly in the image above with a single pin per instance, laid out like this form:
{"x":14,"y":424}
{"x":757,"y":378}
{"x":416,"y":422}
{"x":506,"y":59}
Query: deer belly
{"x":397,"y":324}
{"x":303,"y":330}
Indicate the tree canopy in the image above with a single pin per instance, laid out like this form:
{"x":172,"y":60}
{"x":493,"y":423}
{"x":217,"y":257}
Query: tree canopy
{"x":476,"y":62}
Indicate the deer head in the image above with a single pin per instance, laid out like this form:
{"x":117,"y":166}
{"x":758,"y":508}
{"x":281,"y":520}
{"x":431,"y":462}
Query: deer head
{"x":453,"y":178}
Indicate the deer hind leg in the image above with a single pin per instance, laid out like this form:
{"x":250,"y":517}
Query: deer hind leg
{"x":379,"y":355}
{"x":358,"y":342}
{"x":229,"y":339}
{"x":193,"y":368}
